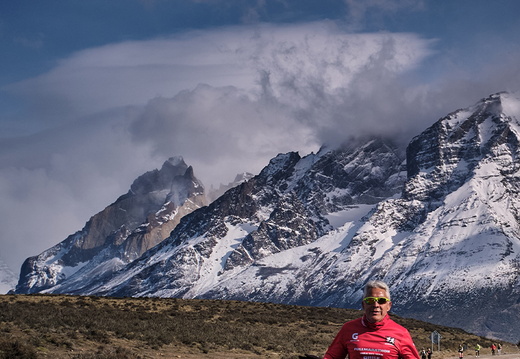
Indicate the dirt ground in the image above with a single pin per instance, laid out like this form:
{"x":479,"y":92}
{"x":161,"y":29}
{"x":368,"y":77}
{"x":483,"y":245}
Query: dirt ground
{"x":174,"y":353}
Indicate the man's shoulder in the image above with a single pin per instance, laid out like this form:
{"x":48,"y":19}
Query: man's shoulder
{"x":355,"y":323}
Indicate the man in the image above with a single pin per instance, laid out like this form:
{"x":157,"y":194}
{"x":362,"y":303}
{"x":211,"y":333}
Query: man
{"x":375,"y":335}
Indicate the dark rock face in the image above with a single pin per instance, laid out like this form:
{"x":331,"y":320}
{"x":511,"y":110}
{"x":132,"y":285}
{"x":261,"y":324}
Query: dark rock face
{"x":365,"y":172}
{"x":447,"y":153}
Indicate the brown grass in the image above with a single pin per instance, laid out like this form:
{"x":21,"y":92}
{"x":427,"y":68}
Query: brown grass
{"x":48,"y":326}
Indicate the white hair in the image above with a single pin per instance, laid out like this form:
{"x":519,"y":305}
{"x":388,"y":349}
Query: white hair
{"x":376,"y":284}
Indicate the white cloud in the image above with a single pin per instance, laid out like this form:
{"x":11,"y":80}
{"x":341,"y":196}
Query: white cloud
{"x":298,"y":58}
{"x":311,"y":80}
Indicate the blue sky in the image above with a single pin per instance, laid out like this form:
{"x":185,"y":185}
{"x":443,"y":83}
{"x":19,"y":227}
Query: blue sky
{"x":94,"y":93}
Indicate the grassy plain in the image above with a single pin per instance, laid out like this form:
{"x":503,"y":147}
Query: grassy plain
{"x":49,"y":326}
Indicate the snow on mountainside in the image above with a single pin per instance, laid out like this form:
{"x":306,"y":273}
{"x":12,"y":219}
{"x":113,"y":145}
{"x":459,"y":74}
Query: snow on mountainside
{"x":441,"y":227}
{"x":283,"y":208}
{"x":7,"y":278}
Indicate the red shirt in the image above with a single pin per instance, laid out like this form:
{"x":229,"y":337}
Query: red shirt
{"x":361,"y":339}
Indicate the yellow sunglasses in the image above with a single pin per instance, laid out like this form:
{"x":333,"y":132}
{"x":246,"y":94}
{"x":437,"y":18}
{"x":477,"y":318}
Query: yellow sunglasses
{"x":373,"y":300}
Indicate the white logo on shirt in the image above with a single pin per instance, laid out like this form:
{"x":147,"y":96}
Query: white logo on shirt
{"x":390,"y":340}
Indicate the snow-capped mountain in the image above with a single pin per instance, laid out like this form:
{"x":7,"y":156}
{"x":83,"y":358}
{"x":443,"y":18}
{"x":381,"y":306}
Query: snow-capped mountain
{"x":7,"y":278}
{"x":439,"y":224}
{"x":119,"y":234}
{"x":283,"y":209}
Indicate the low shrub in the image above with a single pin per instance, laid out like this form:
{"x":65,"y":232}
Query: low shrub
{"x":33,"y":323}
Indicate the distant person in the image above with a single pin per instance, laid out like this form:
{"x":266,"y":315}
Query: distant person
{"x":375,"y":335}
{"x":499,"y":348}
{"x":429,"y":352}
{"x":477,"y":350}
{"x":423,"y":354}
{"x":493,"y":348}
{"x":461,"y":351}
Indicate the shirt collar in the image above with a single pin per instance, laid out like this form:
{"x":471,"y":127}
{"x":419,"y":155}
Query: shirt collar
{"x":375,"y":325}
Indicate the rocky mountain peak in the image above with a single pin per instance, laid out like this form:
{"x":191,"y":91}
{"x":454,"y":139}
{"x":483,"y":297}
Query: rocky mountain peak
{"x":122,"y":232}
{"x":159,"y":180}
{"x":446,"y":153}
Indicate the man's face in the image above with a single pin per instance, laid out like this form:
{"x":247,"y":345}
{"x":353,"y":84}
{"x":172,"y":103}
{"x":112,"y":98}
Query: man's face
{"x":376,"y":312}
